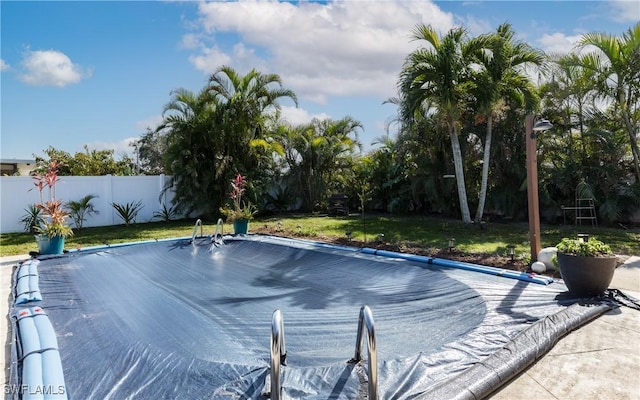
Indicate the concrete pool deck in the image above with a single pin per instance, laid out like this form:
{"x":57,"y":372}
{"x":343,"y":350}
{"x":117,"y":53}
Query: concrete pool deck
{"x":600,"y":360}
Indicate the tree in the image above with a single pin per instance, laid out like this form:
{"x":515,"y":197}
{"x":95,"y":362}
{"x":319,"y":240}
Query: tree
{"x":616,"y":64}
{"x":248,"y":101}
{"x":438,"y":77}
{"x":194,"y":156}
{"x":150,"y":150}
{"x":87,"y":163}
{"x":218,"y":133}
{"x":318,"y":154}
{"x":502,"y":75}
{"x":570,"y":94}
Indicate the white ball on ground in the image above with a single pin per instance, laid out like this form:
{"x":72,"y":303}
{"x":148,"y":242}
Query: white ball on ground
{"x":538,"y":267}
{"x":546,"y":255}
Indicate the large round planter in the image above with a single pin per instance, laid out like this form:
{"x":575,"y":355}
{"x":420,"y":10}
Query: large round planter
{"x":586,"y":276}
{"x":241,"y":226}
{"x":47,"y":245}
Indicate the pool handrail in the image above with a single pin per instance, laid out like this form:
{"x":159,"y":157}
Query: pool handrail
{"x":366,"y":320}
{"x":278,"y":352}
{"x":220,"y":224}
{"x":195,"y":230}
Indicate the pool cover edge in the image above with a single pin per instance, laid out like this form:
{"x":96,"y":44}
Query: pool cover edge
{"x":493,"y":373}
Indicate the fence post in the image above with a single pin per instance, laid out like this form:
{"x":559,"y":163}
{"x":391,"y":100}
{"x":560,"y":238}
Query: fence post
{"x":162,"y":197}
{"x":109,"y":192}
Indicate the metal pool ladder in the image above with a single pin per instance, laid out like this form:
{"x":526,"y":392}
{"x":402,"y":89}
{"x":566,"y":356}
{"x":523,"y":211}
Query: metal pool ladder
{"x":279,"y":354}
{"x":219,"y":224}
{"x":366,"y":321}
{"x":195,"y":230}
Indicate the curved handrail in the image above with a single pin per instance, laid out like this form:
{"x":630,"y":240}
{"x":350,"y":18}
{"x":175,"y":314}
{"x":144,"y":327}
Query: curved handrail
{"x":366,"y":320}
{"x":278,"y":352}
{"x":195,"y":229}
{"x":220,"y":224}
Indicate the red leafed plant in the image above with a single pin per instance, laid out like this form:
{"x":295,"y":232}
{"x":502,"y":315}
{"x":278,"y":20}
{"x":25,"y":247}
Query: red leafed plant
{"x":241,"y":210}
{"x":54,"y":215}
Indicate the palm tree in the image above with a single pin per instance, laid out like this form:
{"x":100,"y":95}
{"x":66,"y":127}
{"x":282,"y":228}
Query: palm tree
{"x":571,"y":95}
{"x":248,"y":101}
{"x":194,"y":155}
{"x":438,"y":77}
{"x":616,"y":63}
{"x":219,"y":132}
{"x":502,"y":75}
{"x":81,"y":209}
{"x":318,"y":153}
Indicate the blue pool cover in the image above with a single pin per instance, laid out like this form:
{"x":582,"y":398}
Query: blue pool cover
{"x":179,"y":320}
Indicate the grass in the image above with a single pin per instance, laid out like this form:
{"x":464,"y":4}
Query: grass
{"x":416,"y":231}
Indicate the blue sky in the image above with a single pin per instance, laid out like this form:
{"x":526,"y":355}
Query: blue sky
{"x":97,"y":73}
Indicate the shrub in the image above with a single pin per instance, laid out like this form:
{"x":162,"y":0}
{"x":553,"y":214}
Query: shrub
{"x":129,"y":211}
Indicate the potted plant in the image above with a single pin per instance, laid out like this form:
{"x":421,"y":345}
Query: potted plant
{"x":53,"y":228}
{"x":586,"y":266}
{"x":242,"y":212}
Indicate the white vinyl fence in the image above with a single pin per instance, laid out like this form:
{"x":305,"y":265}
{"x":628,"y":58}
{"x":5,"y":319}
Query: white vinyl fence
{"x":17,"y":193}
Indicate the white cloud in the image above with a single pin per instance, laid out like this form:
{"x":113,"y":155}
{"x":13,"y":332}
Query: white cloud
{"x":4,"y":66}
{"x":476,"y":26}
{"x":558,"y":43}
{"x":151,"y":123}
{"x":51,"y":68}
{"x":209,"y":59}
{"x":120,"y":148}
{"x":297,"y":116}
{"x":319,"y":49}
{"x":624,"y":11}
{"x":190,"y":41}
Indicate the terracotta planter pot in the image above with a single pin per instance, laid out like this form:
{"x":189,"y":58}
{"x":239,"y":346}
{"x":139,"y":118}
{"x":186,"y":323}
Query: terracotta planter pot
{"x":586,"y":276}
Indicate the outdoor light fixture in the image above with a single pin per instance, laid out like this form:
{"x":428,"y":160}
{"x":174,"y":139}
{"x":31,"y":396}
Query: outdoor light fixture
{"x":349,"y":235}
{"x":279,"y":225}
{"x":540,"y":126}
{"x":531,"y":130}
{"x":511,"y":251}
{"x":583,"y":237}
{"x":299,"y":228}
{"x":380,"y":237}
{"x":451,"y":244}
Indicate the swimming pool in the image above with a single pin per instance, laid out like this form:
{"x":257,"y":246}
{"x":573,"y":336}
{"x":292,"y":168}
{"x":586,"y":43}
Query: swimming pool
{"x":175,"y":319}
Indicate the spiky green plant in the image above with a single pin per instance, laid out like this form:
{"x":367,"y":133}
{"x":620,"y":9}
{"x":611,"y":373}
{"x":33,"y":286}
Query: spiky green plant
{"x":129,"y":211}
{"x":81,"y":209}
{"x":32,"y":219}
{"x":165,"y":214}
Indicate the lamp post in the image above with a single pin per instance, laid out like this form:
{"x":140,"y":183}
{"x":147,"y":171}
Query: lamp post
{"x":531,"y":130}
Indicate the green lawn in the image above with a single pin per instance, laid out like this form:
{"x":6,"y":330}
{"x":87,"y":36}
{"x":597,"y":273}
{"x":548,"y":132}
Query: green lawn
{"x":427,"y":232}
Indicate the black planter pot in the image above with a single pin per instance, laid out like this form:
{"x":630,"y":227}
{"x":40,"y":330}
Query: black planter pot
{"x":586,"y":276}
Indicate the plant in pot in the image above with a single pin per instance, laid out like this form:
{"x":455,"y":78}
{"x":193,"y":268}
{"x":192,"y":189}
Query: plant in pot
{"x":242,"y":212}
{"x":586,"y":266}
{"x":53,"y":228}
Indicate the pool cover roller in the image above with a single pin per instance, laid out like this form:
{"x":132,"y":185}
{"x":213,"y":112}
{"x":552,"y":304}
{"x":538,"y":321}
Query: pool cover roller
{"x":27,"y":288}
{"x":505,"y":273}
{"x":42,"y":375}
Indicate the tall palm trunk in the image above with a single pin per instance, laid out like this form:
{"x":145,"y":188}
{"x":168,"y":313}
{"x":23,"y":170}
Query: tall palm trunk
{"x":459,"y":170}
{"x":485,"y":170}
{"x":632,"y":134}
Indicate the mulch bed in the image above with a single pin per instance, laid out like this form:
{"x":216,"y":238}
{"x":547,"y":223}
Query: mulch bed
{"x":493,"y":260}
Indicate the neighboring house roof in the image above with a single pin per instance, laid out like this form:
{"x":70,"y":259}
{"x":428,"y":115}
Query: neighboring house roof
{"x":16,"y":161}
{"x":14,"y":166}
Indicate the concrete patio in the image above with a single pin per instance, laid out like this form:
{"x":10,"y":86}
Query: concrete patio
{"x":600,"y":360}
